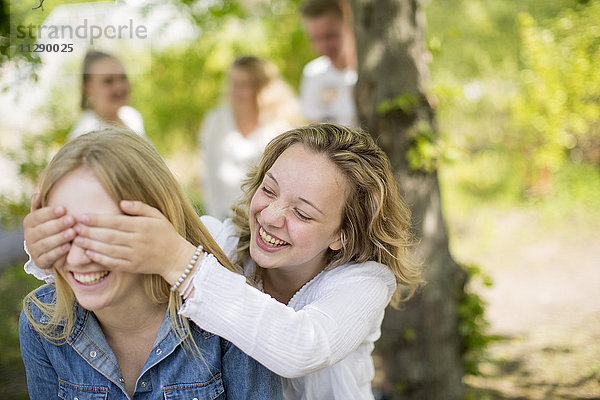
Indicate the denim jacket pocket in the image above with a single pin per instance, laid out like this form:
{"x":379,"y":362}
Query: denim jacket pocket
{"x":71,"y":391}
{"x":210,"y":390}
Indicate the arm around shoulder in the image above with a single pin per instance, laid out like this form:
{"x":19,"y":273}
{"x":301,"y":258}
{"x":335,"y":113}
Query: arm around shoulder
{"x":291,"y":342}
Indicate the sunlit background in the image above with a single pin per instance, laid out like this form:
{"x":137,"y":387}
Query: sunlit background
{"x":517,"y":92}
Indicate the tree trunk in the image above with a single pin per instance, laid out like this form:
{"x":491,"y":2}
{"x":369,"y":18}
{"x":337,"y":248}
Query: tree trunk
{"x":420,"y":347}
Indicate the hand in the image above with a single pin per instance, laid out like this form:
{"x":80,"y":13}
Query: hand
{"x":48,"y":233}
{"x":143,"y":241}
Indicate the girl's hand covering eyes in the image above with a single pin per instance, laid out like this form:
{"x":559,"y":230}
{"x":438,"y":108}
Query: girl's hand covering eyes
{"x":48,"y":233}
{"x":143,"y":241}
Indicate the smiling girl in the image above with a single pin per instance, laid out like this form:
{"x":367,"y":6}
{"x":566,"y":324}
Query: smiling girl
{"x":103,"y":333}
{"x":323,"y":236}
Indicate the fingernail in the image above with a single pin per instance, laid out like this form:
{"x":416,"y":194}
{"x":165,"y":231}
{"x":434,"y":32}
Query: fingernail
{"x":68,"y":221}
{"x":77,"y":228}
{"x":59,"y":210}
{"x":65,"y":247}
{"x":78,"y":240}
{"x":85,"y":219}
{"x":126,"y":203}
{"x":90,"y":253}
{"x":68,"y":234}
{"x":35,"y":197}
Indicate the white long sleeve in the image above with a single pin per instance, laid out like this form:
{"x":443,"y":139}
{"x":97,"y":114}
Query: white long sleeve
{"x":325,"y":321}
{"x":32,"y":269}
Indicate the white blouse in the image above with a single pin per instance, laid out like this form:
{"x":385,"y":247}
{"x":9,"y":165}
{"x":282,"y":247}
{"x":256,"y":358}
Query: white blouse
{"x":90,"y":121}
{"x":228,"y":155}
{"x":321,"y":341}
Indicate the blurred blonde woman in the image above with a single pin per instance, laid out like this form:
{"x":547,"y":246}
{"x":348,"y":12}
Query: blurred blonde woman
{"x":95,"y":330}
{"x":259,"y":106}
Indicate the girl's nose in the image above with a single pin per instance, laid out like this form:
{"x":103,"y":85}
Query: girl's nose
{"x":273,"y":214}
{"x":77,"y":256}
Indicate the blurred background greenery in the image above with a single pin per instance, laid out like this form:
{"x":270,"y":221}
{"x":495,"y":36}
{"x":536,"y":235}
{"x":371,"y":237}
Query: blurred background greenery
{"x":517,"y":89}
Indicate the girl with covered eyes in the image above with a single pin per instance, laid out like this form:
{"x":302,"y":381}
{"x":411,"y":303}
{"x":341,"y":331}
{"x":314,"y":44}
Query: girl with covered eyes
{"x":100,"y":333}
{"x":322,"y":237}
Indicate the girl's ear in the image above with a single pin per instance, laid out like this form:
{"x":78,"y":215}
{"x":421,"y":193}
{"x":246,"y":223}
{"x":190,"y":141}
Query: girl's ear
{"x":336,"y":245}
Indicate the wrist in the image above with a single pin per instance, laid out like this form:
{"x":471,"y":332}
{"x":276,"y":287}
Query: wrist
{"x":188,"y":269}
{"x":180,"y":261}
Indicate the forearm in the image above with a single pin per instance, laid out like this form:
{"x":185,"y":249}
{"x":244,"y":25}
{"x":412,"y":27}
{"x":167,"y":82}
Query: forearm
{"x":290,"y":343}
{"x":286,"y":350}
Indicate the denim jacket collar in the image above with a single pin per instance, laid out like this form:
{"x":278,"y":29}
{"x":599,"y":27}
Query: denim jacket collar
{"x":89,"y":341}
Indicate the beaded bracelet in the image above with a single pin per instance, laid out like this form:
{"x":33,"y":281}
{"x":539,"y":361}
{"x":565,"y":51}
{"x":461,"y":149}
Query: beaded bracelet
{"x":188,"y":269}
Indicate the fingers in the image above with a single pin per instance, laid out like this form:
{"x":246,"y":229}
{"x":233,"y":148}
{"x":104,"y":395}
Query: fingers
{"x":46,"y":222}
{"x":41,"y":215}
{"x":35,"y":202}
{"x":115,"y":222}
{"x":108,"y":261}
{"x":139,"y":209}
{"x":48,"y":232}
{"x":124,"y":223}
{"x":109,"y":236}
{"x":56,"y":256}
{"x":114,"y":251}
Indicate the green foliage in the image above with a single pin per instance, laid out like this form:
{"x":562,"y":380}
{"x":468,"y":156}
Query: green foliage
{"x":515,"y":87}
{"x":14,"y":285}
{"x":406,"y":103}
{"x":557,"y":108}
{"x":473,"y":325}
{"x":428,"y":150}
{"x":31,"y":158}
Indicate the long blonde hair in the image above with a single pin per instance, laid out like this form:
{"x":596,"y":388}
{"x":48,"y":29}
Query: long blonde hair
{"x":129,"y":168}
{"x":376,"y":221}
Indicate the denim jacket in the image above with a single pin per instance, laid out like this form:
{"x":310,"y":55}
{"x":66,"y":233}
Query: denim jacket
{"x":85,"y":367}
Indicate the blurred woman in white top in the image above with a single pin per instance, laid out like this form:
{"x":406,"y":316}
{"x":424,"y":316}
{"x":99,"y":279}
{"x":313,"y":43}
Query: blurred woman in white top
{"x":259,"y":106}
{"x":105,"y":92}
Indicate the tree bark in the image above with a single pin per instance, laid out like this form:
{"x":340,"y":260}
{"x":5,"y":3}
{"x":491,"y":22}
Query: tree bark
{"x":420,"y":347}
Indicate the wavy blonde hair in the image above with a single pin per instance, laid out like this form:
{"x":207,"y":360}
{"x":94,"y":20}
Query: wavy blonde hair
{"x":129,"y":168}
{"x":376,"y":221}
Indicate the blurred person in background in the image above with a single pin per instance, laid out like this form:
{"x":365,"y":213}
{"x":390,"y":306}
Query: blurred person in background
{"x":259,"y":106}
{"x":327,"y":85}
{"x":105,"y":92}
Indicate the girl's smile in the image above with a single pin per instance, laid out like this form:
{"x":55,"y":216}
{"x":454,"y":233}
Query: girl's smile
{"x":296,"y":214}
{"x":269,"y":242}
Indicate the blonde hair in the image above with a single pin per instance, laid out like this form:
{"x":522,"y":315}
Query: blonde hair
{"x":275,"y":98}
{"x":376,"y":221}
{"x":129,"y":168}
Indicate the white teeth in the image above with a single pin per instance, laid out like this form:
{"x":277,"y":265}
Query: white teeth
{"x":269,"y":239}
{"x":90,"y":278}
